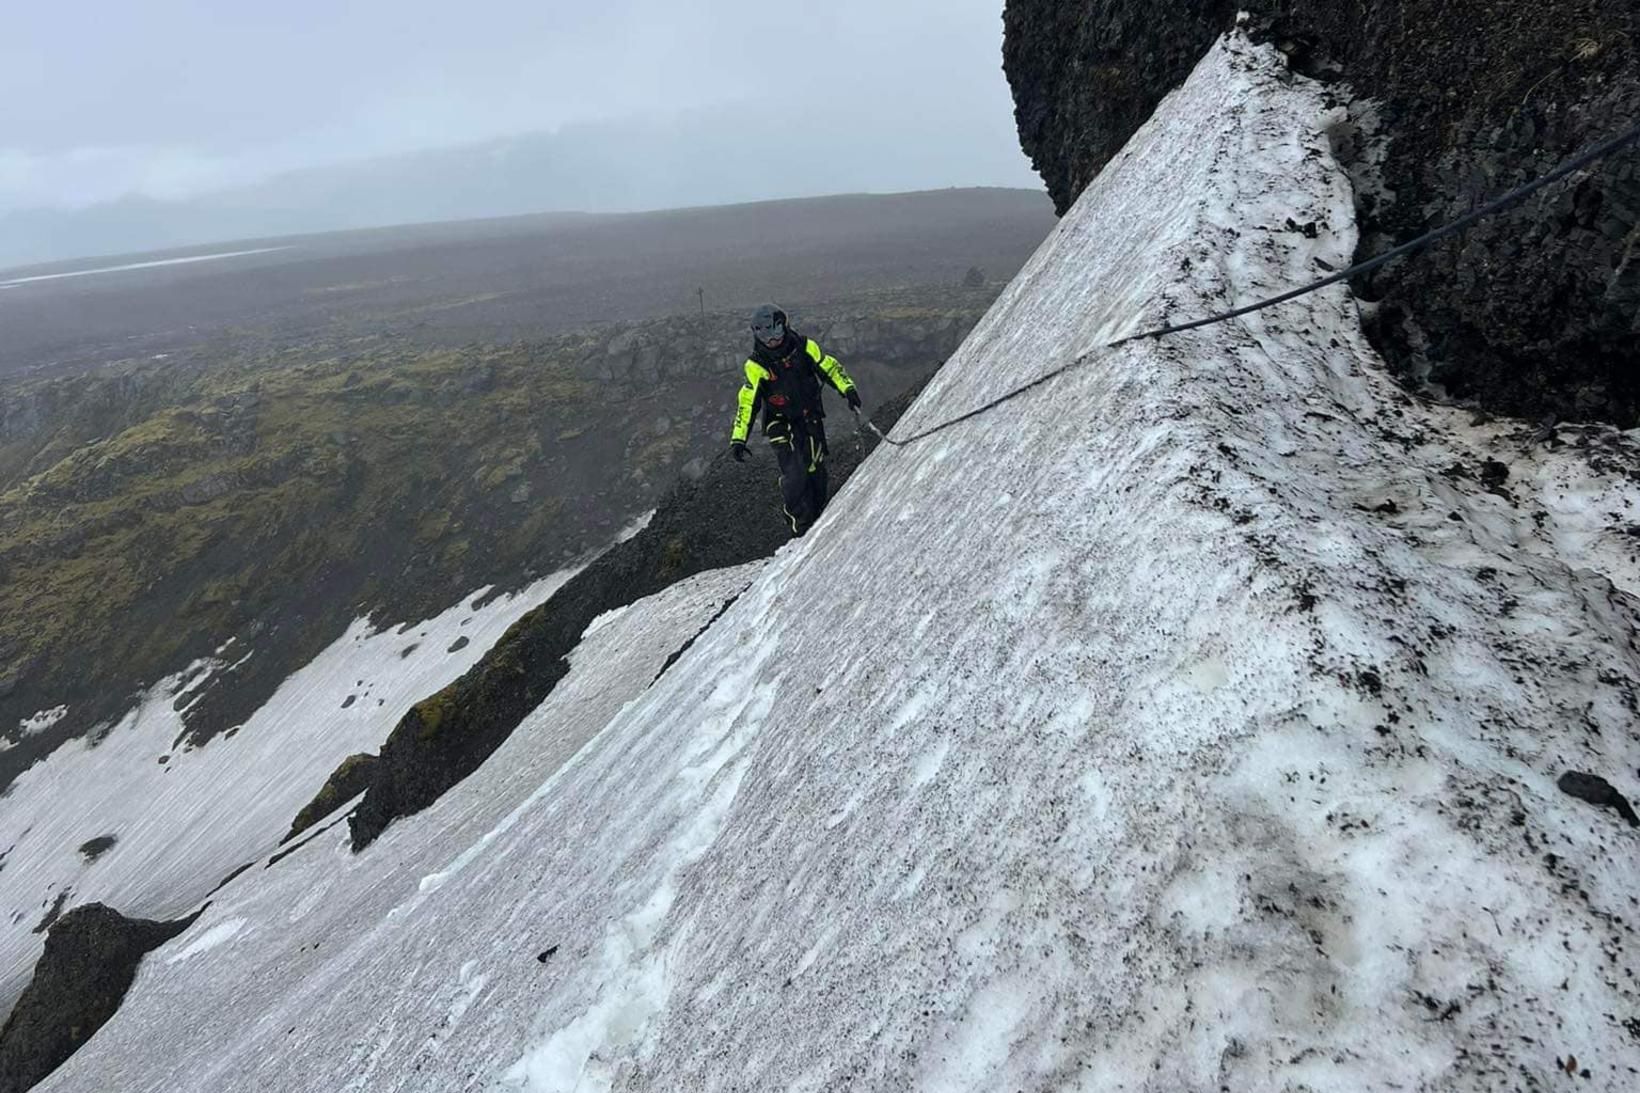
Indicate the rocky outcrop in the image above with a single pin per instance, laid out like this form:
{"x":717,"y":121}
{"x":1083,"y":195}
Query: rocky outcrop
{"x":1537,"y":311}
{"x":44,"y":421}
{"x":92,"y":849}
{"x":91,"y":957}
{"x":730,"y":515}
{"x":346,"y":782}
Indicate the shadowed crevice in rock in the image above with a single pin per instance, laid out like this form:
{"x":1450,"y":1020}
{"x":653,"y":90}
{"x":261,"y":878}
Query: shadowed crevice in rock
{"x":90,"y":960}
{"x":1534,"y":312}
{"x":729,"y":516}
{"x":229,"y":879}
{"x":54,"y":912}
{"x":281,"y":855}
{"x":677,"y":654}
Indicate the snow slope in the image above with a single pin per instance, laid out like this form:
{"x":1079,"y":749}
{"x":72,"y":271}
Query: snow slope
{"x":1190,"y":723}
{"x":442,"y":911}
{"x":183,"y":818}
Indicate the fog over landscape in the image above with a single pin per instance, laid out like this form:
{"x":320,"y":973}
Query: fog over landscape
{"x":180,"y":123}
{"x":996,"y":545}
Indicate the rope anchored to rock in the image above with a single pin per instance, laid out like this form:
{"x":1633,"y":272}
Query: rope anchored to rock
{"x":1462,"y":224}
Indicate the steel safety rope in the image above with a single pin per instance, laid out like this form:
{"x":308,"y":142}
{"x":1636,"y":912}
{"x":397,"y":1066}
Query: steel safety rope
{"x":1463,"y":223}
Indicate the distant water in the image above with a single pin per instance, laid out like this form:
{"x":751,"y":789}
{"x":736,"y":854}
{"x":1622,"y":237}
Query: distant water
{"x":139,"y":265}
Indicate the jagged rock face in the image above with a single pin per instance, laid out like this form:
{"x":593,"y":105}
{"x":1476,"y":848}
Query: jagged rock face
{"x":347,"y":781}
{"x":1536,"y":311}
{"x":728,"y":516}
{"x":90,"y":959}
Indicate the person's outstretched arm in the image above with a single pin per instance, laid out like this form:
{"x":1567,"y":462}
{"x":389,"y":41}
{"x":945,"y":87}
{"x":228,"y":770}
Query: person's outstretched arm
{"x":834,"y":373}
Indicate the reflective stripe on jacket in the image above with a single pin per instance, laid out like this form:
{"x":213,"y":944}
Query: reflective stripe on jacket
{"x":785,"y":383}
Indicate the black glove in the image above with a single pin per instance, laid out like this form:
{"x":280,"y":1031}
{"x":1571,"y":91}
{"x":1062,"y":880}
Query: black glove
{"x":738,"y":447}
{"x":853,"y":396}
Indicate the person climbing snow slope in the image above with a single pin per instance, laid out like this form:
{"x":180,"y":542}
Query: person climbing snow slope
{"x":783,"y":381}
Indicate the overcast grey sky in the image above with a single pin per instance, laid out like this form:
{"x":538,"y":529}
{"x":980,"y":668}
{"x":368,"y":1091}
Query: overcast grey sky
{"x":172,"y":99}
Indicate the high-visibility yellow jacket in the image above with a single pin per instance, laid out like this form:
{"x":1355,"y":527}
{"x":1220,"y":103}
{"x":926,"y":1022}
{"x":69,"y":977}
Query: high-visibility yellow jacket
{"x":784,"y":383}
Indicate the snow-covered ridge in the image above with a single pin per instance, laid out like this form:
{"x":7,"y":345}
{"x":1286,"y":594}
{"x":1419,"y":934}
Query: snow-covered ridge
{"x":1191,"y":722}
{"x":188,"y":260}
{"x":182,"y":819}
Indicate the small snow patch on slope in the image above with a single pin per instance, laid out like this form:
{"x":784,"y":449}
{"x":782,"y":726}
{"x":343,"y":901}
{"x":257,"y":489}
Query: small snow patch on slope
{"x":40,"y":722}
{"x":220,"y":934}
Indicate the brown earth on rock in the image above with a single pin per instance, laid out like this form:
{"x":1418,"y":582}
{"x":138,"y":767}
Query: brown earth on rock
{"x":346,"y":782}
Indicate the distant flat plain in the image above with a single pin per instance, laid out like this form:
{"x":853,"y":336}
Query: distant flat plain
{"x":505,"y":280}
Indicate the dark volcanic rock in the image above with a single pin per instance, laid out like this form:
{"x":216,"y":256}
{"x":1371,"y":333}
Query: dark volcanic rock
{"x":729,"y":516}
{"x":1598,"y":792}
{"x":346,"y":782}
{"x":92,"y":849}
{"x":90,"y":959}
{"x":54,"y":912}
{"x":1534,"y":312}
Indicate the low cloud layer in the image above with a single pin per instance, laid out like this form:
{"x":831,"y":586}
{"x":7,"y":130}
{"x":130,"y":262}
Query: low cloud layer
{"x":178,"y":100}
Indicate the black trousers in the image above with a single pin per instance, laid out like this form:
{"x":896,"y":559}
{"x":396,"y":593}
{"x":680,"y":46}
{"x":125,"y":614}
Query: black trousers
{"x":803,"y":482}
